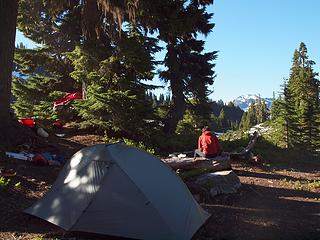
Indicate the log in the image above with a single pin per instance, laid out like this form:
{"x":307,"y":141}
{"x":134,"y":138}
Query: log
{"x":179,"y":160}
{"x":246,"y":153}
{"x":214,"y":164}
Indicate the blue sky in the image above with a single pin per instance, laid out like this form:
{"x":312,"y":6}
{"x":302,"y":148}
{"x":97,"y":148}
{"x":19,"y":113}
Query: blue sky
{"x":27,"y":42}
{"x":256,"y":40}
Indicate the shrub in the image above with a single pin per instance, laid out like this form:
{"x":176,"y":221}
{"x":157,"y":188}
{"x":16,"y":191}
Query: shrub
{"x":129,"y":142}
{"x":164,"y":144}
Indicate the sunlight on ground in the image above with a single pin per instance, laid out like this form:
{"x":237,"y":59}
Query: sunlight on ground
{"x":235,"y":208}
{"x":262,"y":223}
{"x":294,"y":198}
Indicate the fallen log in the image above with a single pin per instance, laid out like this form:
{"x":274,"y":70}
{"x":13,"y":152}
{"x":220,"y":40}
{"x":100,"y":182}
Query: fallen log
{"x":214,"y":164}
{"x":246,"y":152}
{"x":180,"y":160}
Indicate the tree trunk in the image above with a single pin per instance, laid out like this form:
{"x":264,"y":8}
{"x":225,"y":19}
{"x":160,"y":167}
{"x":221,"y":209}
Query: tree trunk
{"x":8,"y":20}
{"x":90,"y":18}
{"x":178,"y":106}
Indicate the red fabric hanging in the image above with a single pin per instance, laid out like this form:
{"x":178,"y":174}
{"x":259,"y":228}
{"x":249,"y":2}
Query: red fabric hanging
{"x":29,"y":122}
{"x":67,"y":98}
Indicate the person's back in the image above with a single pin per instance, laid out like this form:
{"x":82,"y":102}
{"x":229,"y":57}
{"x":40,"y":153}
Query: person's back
{"x":208,"y":144}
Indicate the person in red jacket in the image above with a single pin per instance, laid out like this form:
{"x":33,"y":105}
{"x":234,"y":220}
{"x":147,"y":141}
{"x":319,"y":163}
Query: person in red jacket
{"x":208,"y":145}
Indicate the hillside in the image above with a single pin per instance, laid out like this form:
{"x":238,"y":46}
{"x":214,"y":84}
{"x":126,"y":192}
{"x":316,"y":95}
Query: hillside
{"x":232,"y":113}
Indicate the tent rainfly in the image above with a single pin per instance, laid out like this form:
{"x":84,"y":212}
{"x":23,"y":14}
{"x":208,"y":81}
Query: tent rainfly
{"x":121,"y":191}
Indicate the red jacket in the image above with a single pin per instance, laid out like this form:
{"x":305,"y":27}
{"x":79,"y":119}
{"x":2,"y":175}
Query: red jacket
{"x":208,"y":144}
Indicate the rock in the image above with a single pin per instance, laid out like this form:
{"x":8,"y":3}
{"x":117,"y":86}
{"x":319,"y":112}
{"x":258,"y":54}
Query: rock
{"x":221,"y":182}
{"x":42,"y":133}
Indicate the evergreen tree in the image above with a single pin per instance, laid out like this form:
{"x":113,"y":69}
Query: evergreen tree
{"x":303,"y":86}
{"x":178,"y":23}
{"x":222,"y":119}
{"x":282,"y":115}
{"x":300,"y":105}
{"x":114,"y":91}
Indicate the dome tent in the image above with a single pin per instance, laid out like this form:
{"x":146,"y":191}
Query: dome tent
{"x":121,"y":191}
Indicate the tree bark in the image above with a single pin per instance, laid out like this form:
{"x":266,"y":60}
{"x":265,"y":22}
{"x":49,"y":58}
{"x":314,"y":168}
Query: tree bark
{"x":8,"y":21}
{"x":178,"y":106}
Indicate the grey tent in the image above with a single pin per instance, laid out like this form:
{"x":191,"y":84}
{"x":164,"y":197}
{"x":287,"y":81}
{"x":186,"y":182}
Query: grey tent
{"x":121,"y":191}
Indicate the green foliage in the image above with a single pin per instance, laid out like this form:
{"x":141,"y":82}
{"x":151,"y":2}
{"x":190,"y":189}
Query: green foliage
{"x":305,"y":185}
{"x":140,"y":145}
{"x":277,"y":135}
{"x":4,"y":183}
{"x":234,"y":141}
{"x":17,"y":185}
{"x":192,"y":122}
{"x":38,"y":238}
{"x":130,"y":142}
{"x":164,"y":144}
{"x":186,"y":135}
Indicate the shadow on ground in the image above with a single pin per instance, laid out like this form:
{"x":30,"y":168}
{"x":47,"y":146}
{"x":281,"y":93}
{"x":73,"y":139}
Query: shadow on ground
{"x":258,"y":212}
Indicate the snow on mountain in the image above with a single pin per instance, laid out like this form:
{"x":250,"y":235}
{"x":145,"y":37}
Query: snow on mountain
{"x":245,"y":101}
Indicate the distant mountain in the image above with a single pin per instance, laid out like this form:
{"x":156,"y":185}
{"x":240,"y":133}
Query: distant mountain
{"x":245,"y":101}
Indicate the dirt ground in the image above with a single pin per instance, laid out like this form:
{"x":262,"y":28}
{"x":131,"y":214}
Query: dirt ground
{"x":274,"y":202}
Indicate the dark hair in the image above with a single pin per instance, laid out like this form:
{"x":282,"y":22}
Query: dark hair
{"x":206,"y":128}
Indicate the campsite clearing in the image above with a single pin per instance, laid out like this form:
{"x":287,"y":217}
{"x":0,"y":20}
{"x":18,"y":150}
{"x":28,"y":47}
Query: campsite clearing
{"x":279,"y":201}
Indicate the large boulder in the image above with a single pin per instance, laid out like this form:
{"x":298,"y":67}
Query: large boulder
{"x":221,"y":182}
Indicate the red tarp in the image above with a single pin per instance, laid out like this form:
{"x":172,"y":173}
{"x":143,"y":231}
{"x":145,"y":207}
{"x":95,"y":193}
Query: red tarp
{"x":67,"y":98}
{"x":29,"y":122}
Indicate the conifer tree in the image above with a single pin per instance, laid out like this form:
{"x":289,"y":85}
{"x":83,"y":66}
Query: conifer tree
{"x":116,"y":100}
{"x":300,"y":105}
{"x":222,"y":119}
{"x":178,"y":24}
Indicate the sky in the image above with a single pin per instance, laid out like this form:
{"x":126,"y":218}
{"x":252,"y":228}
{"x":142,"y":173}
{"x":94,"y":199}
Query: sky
{"x":256,"y":40}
